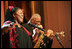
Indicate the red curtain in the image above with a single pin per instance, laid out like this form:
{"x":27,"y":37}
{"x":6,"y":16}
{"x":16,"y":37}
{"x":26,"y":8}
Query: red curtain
{"x":57,"y":16}
{"x":4,"y":6}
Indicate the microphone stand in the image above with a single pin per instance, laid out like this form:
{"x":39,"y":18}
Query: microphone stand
{"x":59,"y":40}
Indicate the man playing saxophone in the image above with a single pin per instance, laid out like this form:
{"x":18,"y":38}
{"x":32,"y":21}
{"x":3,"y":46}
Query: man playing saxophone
{"x":46,"y":42}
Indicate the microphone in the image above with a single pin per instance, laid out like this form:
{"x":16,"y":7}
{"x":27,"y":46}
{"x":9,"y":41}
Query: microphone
{"x":35,"y":26}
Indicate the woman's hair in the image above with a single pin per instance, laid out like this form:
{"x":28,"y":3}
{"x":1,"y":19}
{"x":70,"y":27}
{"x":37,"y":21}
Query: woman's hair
{"x":9,"y":13}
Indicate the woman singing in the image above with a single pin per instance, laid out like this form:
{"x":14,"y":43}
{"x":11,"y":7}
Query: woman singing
{"x":14,"y":35}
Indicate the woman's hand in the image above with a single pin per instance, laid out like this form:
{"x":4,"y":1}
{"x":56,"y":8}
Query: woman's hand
{"x":6,"y":26}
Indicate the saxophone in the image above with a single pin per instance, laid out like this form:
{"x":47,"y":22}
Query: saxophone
{"x":37,"y":45}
